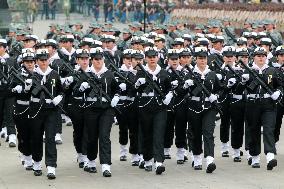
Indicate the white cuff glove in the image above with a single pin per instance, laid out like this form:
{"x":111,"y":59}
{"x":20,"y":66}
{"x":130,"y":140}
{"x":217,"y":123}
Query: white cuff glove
{"x":84,"y":86}
{"x":188,"y":83}
{"x":57,"y":100}
{"x":174,"y":84}
{"x":212,"y":98}
{"x":155,"y":78}
{"x":17,"y":89}
{"x":140,"y":82}
{"x":275,"y":95}
{"x":231,"y":82}
{"x":219,"y":76}
{"x":122,"y":86}
{"x":245,"y":78}
{"x":114,"y":101}
{"x":28,"y":84}
{"x":168,"y":98}
{"x":69,"y":80}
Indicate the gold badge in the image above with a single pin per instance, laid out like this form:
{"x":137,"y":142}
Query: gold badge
{"x":269,"y":79}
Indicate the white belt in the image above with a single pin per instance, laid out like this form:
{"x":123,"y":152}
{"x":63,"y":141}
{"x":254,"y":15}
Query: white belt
{"x":126,"y":98}
{"x":95,"y":99}
{"x":21,"y":102}
{"x":259,"y":96}
{"x":47,"y":101}
{"x":239,"y":97}
{"x":196,"y":98}
{"x":149,"y":94}
{"x":77,"y":98}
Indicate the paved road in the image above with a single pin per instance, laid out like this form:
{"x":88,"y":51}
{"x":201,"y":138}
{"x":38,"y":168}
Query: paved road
{"x":228,"y":175}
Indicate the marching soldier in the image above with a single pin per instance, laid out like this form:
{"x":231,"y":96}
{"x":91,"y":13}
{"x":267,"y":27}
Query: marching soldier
{"x":43,"y":113}
{"x":21,"y":110}
{"x":261,"y":107}
{"x":128,"y":119}
{"x":101,"y":95}
{"x":279,"y":53}
{"x":201,"y":111}
{"x":154,"y":86}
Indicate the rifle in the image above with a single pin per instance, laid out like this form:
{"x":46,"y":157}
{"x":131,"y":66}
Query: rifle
{"x":36,"y":82}
{"x":259,"y":80}
{"x":274,"y":42}
{"x":151,"y":82}
{"x":94,"y":82}
{"x":3,"y":75}
{"x":200,"y":84}
{"x":234,"y":72}
{"x":230,"y":35}
{"x":118,"y":74}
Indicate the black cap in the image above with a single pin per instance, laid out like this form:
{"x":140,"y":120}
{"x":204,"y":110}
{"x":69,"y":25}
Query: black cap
{"x":82,"y":53}
{"x":97,"y":53}
{"x":200,"y":51}
{"x":259,"y":51}
{"x":41,"y":54}
{"x":151,"y":51}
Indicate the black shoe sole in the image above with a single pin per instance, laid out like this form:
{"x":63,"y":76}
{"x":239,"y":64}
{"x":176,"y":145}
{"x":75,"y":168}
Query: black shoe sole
{"x":135,"y":164}
{"x":256,"y":165}
{"x":81,"y":165}
{"x":37,"y":173}
{"x":180,"y":162}
{"x":211,"y":167}
{"x":148,"y":168}
{"x":249,"y":161}
{"x":92,"y":170}
{"x":167,"y":157}
{"x":51,"y":176}
{"x":12,"y":145}
{"x":197,"y":168}
{"x":237,"y":159}
{"x":106,"y":174}
{"x":29,"y":168}
{"x":142,"y":164}
{"x":271,"y":164}
{"x":160,"y":170}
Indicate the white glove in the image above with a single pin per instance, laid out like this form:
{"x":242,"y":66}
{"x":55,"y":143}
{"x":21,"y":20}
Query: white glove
{"x":219,"y":76}
{"x":57,"y":100}
{"x":212,"y":98}
{"x":231,"y":82}
{"x":17,"y":89}
{"x":188,"y":83}
{"x":168,"y":98}
{"x":114,"y":101}
{"x":28,"y":84}
{"x":122,"y":86}
{"x":174,"y":83}
{"x":155,"y":78}
{"x":275,"y":95}
{"x":245,"y":78}
{"x":84,"y":86}
{"x":69,"y":80}
{"x":140,"y":82}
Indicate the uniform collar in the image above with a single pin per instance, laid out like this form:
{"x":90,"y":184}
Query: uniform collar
{"x":260,"y":70}
{"x":197,"y":70}
{"x":155,"y":72}
{"x":99,"y":73}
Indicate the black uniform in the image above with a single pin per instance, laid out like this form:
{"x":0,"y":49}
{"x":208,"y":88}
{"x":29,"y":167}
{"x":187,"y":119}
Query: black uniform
{"x":262,"y":111}
{"x":153,"y":115}
{"x":98,"y":115}
{"x":43,"y":114}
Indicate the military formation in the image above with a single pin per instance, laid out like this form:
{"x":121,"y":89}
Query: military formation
{"x":165,"y":86}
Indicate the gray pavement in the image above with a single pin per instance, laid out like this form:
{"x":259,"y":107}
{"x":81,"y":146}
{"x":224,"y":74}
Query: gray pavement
{"x":229,"y":175}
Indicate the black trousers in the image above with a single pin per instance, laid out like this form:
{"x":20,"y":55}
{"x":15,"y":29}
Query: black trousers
{"x":98,"y":124}
{"x":170,"y":129}
{"x":182,"y":128}
{"x":8,"y":120}
{"x":76,"y":114}
{"x":225,"y":122}
{"x":58,"y":122}
{"x":203,"y":124}
{"x":24,"y":129}
{"x":128,"y":121}
{"x":45,"y":121}
{"x":261,"y":113}
{"x":153,"y":126}
{"x":2,"y":102}
{"x":237,"y":113}
{"x":279,"y":116}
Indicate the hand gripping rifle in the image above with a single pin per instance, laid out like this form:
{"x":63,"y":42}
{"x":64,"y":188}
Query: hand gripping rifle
{"x":259,"y":80}
{"x":38,"y":87}
{"x":97,"y":90}
{"x":200,"y":85}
